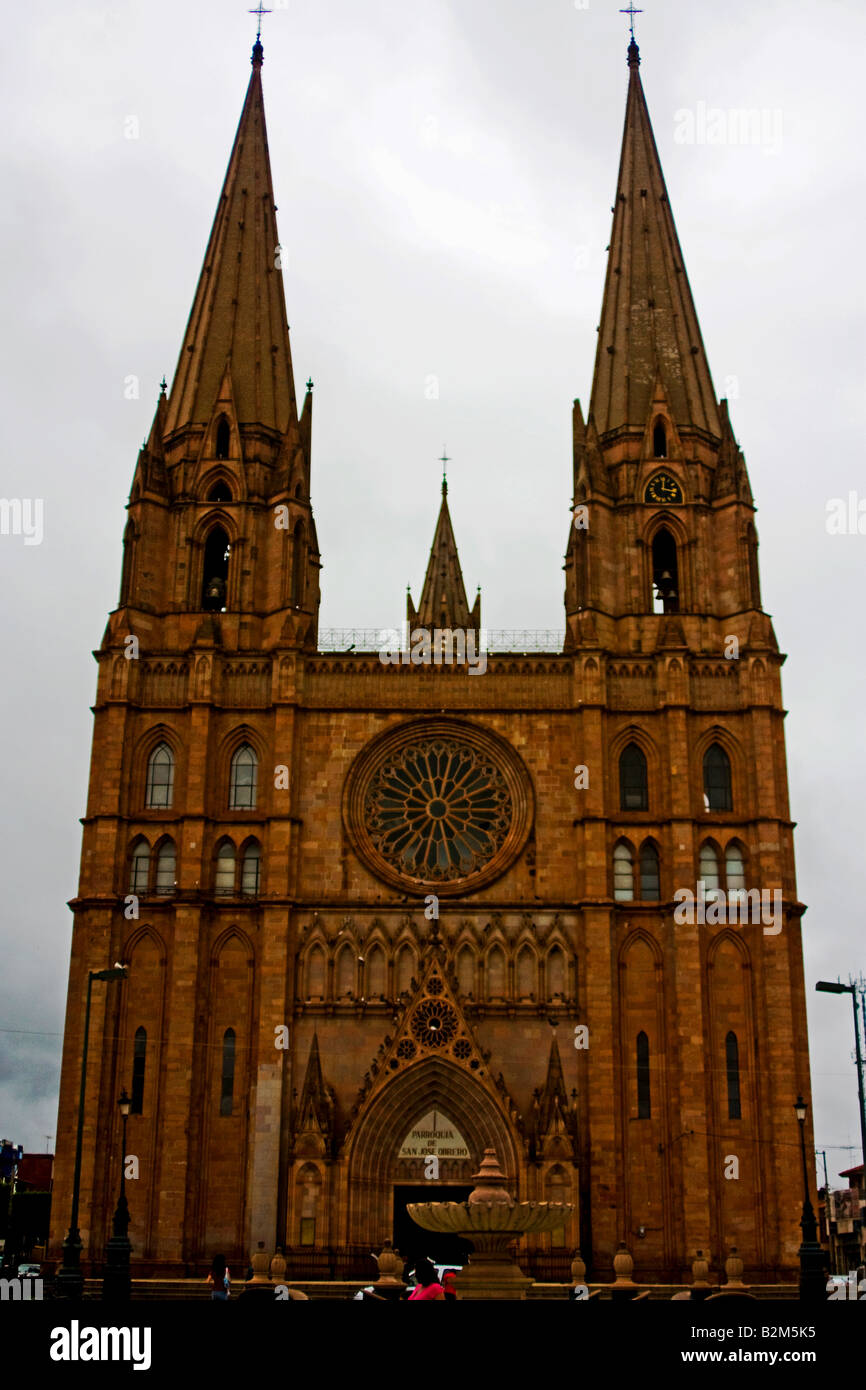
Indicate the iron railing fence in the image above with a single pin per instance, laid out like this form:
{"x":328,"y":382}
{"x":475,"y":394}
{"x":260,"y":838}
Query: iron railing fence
{"x":374,"y":639}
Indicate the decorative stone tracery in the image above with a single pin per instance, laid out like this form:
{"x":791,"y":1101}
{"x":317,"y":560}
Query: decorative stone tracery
{"x":438,"y":805}
{"x":525,"y":962}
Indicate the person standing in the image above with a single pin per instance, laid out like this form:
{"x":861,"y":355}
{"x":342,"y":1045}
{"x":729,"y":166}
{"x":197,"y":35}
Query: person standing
{"x":427,"y":1286}
{"x":220,"y":1279}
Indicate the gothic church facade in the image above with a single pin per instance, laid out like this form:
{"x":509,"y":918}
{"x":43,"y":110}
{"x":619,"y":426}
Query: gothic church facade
{"x":355,"y":894}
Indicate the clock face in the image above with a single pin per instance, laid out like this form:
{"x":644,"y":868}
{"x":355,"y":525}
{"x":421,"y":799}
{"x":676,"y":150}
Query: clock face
{"x":663,"y":488}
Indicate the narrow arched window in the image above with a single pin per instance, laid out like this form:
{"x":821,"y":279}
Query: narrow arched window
{"x":752,"y":562}
{"x":224,"y":878}
{"x":633,"y":791}
{"x":660,"y":440}
{"x":466,"y":971}
{"x":215,"y":572}
{"x":557,"y":1192}
{"x":496,"y":974}
{"x":649,"y":872}
{"x":404,"y":972}
{"x":160,"y":778}
{"x":708,"y":867}
{"x":526,"y":974}
{"x":228,"y":1072}
{"x":220,"y":492}
{"x":717,"y":779}
{"x":375,"y":974}
{"x":166,"y":868}
{"x":666,"y":586}
{"x":251,"y":870}
{"x":317,"y":969}
{"x":307,"y":1196}
{"x":735,"y":868}
{"x":623,"y":873}
{"x":732,"y":1069}
{"x":129,"y":544}
{"x":299,"y":560}
{"x":223,"y":438}
{"x":139,"y":876}
{"x":345,"y":973}
{"x":643,"y":1077}
{"x":580,"y":541}
{"x":244,"y":777}
{"x":139,"y":1057}
{"x":555,"y":972}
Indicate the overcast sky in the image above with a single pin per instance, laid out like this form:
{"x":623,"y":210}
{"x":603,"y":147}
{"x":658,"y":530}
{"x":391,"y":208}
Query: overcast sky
{"x":444,"y":174}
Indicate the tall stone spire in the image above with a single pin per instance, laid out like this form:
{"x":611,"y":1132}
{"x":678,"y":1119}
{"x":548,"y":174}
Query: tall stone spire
{"x":443,"y":599}
{"x":238,"y":316}
{"x":649,"y":332}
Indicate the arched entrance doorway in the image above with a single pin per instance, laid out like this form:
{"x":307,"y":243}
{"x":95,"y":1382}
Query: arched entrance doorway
{"x":469,"y":1119}
{"x":433,"y":1165}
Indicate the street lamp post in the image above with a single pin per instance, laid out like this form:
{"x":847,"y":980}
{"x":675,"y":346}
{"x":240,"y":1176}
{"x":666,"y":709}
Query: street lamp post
{"x":116,"y":1283}
{"x":812,"y":1282}
{"x":834,"y":987}
{"x":69,"y":1282}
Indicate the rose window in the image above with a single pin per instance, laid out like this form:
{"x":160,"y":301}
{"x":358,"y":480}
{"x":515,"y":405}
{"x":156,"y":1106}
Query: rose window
{"x":438,"y":806}
{"x":462,"y":1049}
{"x":438,"y":810}
{"x":434,"y":1023}
{"x":406,"y":1048}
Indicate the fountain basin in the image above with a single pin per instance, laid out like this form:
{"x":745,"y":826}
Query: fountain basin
{"x":491,"y":1220}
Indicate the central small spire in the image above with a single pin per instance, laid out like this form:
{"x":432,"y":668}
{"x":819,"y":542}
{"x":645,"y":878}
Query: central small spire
{"x":443,"y":601}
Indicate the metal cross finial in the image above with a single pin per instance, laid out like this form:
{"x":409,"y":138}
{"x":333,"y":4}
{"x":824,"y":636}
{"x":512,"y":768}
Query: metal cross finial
{"x":260,"y":11}
{"x":445,"y":460}
{"x":631,"y":12}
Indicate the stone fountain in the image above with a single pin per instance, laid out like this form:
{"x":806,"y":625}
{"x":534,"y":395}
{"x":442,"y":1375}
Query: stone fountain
{"x":491,"y":1220}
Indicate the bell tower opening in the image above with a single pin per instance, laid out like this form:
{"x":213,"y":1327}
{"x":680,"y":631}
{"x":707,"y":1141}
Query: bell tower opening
{"x":666,"y":588}
{"x":660,"y":440}
{"x":223,"y":438}
{"x":215,"y":573}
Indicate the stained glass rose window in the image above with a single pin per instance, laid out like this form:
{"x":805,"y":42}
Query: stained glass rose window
{"x":439,"y":805}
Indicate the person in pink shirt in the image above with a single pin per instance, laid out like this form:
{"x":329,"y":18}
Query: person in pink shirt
{"x":427,"y":1285}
